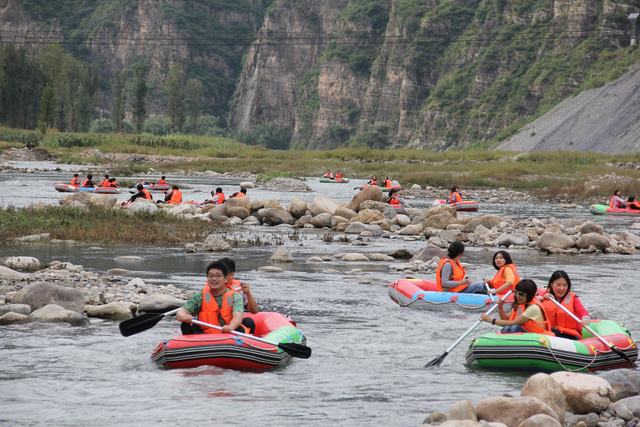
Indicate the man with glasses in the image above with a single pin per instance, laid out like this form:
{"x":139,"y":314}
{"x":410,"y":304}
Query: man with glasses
{"x":214,"y":304}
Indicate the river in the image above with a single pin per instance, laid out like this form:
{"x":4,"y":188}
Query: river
{"x":368,"y":356}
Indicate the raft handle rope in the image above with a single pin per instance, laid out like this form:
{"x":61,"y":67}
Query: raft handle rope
{"x":595,"y":355}
{"x":454,"y":300}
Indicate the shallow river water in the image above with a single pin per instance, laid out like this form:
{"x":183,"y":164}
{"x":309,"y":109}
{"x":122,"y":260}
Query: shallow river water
{"x":368,"y":356}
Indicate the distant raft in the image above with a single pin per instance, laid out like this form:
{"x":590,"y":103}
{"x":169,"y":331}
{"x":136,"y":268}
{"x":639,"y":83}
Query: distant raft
{"x":67,"y":188}
{"x":231,"y":351}
{"x":157,"y":187}
{"x":606,"y":210}
{"x":535,"y":352}
{"x":463,"y":206}
{"x":423,"y":294}
{"x":335,"y":181}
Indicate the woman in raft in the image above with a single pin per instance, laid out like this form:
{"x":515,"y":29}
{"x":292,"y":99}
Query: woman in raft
{"x":451,"y":275}
{"x":507,"y":276}
{"x":562,"y":324}
{"x":527,"y":314}
{"x":616,"y":200}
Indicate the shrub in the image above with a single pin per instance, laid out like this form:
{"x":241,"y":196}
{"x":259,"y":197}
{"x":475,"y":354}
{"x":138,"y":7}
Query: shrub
{"x":157,"y":125}
{"x":30,"y":138}
{"x":268,"y":136}
{"x":101,"y":126}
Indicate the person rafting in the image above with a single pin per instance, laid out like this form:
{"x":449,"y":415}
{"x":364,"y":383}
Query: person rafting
{"x":387,"y":183}
{"x":244,"y":289}
{"x":632,"y":203}
{"x":75,"y":181}
{"x":214,"y":304}
{"x":113,"y":182}
{"x":373,"y":180}
{"x":172,"y":197}
{"x":562,"y":324}
{"x":393,"y":198}
{"x":451,"y":275}
{"x":105,"y":181}
{"x":88,"y":181}
{"x":162,"y":181}
{"x":507,"y":276}
{"x":339,"y":176}
{"x":240,"y":194}
{"x":616,"y":201}
{"x":454,"y":195}
{"x":527,"y":314}
{"x":142,"y":193}
{"x":327,"y":174}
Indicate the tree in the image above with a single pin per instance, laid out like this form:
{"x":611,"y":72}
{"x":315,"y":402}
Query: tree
{"x":139,"y":95}
{"x":46,"y":117}
{"x":195,"y":90}
{"x":118,"y":107}
{"x":175,"y":97}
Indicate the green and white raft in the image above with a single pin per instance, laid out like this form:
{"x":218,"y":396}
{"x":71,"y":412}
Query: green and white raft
{"x":536,"y":352}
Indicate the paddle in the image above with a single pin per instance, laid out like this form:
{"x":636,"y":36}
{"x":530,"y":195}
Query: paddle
{"x":143,"y":322}
{"x":403,"y":202}
{"x":611,"y":346}
{"x":438,"y":360}
{"x":294,"y":349}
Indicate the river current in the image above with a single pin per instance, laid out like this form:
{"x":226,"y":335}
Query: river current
{"x":368,"y":356}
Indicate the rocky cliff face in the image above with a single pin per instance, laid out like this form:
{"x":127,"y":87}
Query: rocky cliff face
{"x":441,"y":73}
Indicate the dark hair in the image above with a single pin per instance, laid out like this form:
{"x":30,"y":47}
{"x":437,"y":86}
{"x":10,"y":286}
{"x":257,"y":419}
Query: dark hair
{"x":243,"y":190}
{"x":631,"y":199}
{"x":140,"y":187}
{"x":231,"y":264}
{"x":529,"y":287}
{"x":218,"y":190}
{"x":218,"y":265}
{"x":455,"y":249}
{"x":89,"y":176}
{"x":558,"y":274}
{"x":616,"y":191}
{"x":106,"y":175}
{"x":175,"y":187}
{"x":163,"y":177}
{"x":112,"y":179}
{"x":75,"y":174}
{"x":454,"y":188}
{"x":505,"y":255}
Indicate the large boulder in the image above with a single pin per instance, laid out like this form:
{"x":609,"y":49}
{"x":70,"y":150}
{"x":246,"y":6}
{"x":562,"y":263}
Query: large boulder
{"x":15,"y":308}
{"x":81,"y":197}
{"x":410,"y":230}
{"x":11,"y":318}
{"x":632,"y":403}
{"x":105,"y":201}
{"x":275,"y":216}
{"x":238,"y":211}
{"x":182,"y":209}
{"x":549,"y":240}
{"x":439,"y":220}
{"x":512,"y":239}
{"x":247,"y":184}
{"x":540,"y":420}
{"x":323,"y":204}
{"x":591,"y":227}
{"x":488,"y":221}
{"x":8,"y":274}
{"x":322,"y":220}
{"x":625,"y":382}
{"x":244,"y":202}
{"x":286,"y":184}
{"x":368,"y":216}
{"x":159,"y":303}
{"x":428,"y":253}
{"x":512,"y":410}
{"x":545,"y":388}
{"x":216,"y":243}
{"x":375,"y":205}
{"x":345,"y":212}
{"x":281,"y":255}
{"x":584,"y":393}
{"x":39,"y":294}
{"x":56,"y":313}
{"x":370,"y":192}
{"x":142,"y":206}
{"x":451,"y":210}
{"x":462,"y":410}
{"x":24,"y":263}
{"x":297,"y":207}
{"x":596,"y":240}
{"x":112,"y":311}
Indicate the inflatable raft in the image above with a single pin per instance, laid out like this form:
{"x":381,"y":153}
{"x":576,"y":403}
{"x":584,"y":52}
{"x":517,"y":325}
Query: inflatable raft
{"x":158,"y":187}
{"x":463,"y":206}
{"x":67,"y":188}
{"x":534,"y":352}
{"x":421,"y":293}
{"x":329,"y":180}
{"x":606,"y":210}
{"x":231,"y":351}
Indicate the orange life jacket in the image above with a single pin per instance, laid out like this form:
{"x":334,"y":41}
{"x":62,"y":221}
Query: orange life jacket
{"x":327,"y":175}
{"x":234,"y":285}
{"x":147,"y":194}
{"x":499,"y":279}
{"x":455,"y":197}
{"x":113,"y":184}
{"x":161,"y":182}
{"x":339,"y":176}
{"x":85,"y":182}
{"x":210,"y":310}
{"x":373,"y":182}
{"x":220,"y":198}
{"x":561,"y":320}
{"x":532,"y":325}
{"x":240,"y":195}
{"x":457,"y":274}
{"x":387,"y":183}
{"x":105,"y":183}
{"x":394,"y":201}
{"x":176,"y":197}
{"x":75,"y":181}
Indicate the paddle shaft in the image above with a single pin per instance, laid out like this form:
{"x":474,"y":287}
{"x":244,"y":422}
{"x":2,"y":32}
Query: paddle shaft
{"x":240,"y":334}
{"x":475,"y":325}
{"x":574,"y":317}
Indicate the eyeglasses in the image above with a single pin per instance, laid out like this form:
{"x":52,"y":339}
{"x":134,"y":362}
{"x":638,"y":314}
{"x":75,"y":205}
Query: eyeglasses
{"x":522,"y":294}
{"x":215,"y":276}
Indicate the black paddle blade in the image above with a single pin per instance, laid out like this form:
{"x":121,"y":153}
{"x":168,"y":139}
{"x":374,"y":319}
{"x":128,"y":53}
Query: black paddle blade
{"x":437,"y":361}
{"x":624,"y":356}
{"x":139,"y":323}
{"x":296,"y":350}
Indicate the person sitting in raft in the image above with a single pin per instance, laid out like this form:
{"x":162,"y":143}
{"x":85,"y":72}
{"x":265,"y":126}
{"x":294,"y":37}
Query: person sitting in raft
{"x":172,"y":197}
{"x":214,"y":304}
{"x":387,"y":183}
{"x":373,"y":180}
{"x":616,"y":201}
{"x":162,"y":181}
{"x":527,"y":314}
{"x":339,"y":176}
{"x":240,"y":194}
{"x":451,"y":275}
{"x":88,"y":181}
{"x":113,"y":182}
{"x":562,"y":324}
{"x":105,"y":181}
{"x":393,"y":198}
{"x":507,"y":276}
{"x":454,"y":195}
{"x":327,"y":174}
{"x":142,"y":193}
{"x":75,"y":181}
{"x":632,"y":203}
{"x":244,"y":289}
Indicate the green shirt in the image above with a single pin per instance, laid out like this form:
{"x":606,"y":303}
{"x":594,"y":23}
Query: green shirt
{"x":194,"y":304}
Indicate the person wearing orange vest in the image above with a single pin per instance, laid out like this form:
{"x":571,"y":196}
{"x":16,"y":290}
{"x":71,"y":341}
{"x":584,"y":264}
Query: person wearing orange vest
{"x":327,"y":174}
{"x":393,"y":199}
{"x":527,"y":314}
{"x":507,"y":276}
{"x":632,"y":203}
{"x":214,"y":304}
{"x":562,"y":324}
{"x":454,"y":195}
{"x":240,"y":194}
{"x":339,"y":176}
{"x":451,"y":275}
{"x":244,"y":290}
{"x":373,"y":180}
{"x":387,"y":183}
{"x":220,"y":196}
{"x":75,"y":181}
{"x":105,"y":181}
{"x":113,"y":183}
{"x":142,"y":193}
{"x":174,"y":196}
{"x":162,"y":181}
{"x":616,"y":201}
{"x":88,"y":181}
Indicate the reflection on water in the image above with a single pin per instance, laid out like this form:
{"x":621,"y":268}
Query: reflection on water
{"x":368,"y":354}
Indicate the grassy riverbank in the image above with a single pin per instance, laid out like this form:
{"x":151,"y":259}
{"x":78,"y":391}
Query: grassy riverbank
{"x":98,"y":225}
{"x":572,"y":174}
